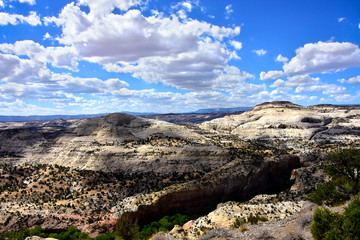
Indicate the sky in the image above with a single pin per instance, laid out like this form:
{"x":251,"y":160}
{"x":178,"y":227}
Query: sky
{"x":102,"y":56}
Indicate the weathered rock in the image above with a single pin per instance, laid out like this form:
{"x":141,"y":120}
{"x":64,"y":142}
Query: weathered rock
{"x":290,"y":122}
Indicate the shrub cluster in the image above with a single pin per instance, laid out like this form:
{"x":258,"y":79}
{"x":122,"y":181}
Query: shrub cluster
{"x":72,"y":233}
{"x":330,"y":225}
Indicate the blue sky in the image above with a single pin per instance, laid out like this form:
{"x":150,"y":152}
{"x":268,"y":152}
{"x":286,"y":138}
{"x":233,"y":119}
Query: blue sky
{"x":96,"y":56}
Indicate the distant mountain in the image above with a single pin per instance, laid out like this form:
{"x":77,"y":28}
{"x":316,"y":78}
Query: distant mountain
{"x":68,"y":117}
{"x":212,"y":110}
{"x":46,"y":117}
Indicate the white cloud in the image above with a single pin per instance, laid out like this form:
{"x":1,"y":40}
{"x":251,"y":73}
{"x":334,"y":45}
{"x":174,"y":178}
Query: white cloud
{"x":260,"y":52}
{"x":187,"y":5}
{"x":1,"y":4}
{"x":28,"y":79}
{"x":237,"y":45}
{"x":228,"y":10}
{"x":31,"y":2}
{"x":313,"y":98}
{"x":100,"y":8}
{"x":148,"y":51}
{"x":345,"y":98}
{"x":341,"y":19}
{"x":271,"y":75}
{"x":277,"y":95}
{"x":281,"y":58}
{"x":140,"y":36}
{"x":65,"y":57}
{"x":204,"y":69}
{"x":47,"y":36}
{"x":307,"y":84}
{"x":14,"y":19}
{"x":323,"y":57}
{"x":326,"y":89}
{"x":352,"y":80}
{"x":300,"y":81}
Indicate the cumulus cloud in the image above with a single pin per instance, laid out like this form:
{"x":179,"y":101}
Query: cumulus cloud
{"x":307,"y":84}
{"x":276,"y":95}
{"x":33,"y":19}
{"x":65,"y":57}
{"x":195,"y":61}
{"x":27,"y":79}
{"x":237,"y":45}
{"x":204,"y":69}
{"x":323,"y":57}
{"x":300,"y":81}
{"x":1,"y":4}
{"x":352,"y":80}
{"x":260,"y":52}
{"x":281,"y":58}
{"x":139,"y":36}
{"x":271,"y":75}
{"x":128,"y":43}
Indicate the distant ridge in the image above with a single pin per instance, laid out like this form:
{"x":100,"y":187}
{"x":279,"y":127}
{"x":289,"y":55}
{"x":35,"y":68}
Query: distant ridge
{"x":68,"y":117}
{"x":214,"y":110}
{"x":46,"y":117}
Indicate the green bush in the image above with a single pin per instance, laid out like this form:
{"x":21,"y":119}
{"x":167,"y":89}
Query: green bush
{"x":351,"y":221}
{"x":127,"y":229}
{"x":326,"y":193}
{"x":344,"y":167}
{"x":163,"y":225}
{"x":108,"y":236}
{"x":325,"y":222}
{"x":329,"y":225}
{"x":72,"y":233}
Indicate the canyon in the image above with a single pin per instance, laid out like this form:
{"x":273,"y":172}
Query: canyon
{"x":88,"y":172}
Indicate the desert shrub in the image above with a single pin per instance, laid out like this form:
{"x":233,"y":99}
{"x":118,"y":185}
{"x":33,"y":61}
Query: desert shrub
{"x":344,"y":167}
{"x":165,"y":224}
{"x":18,"y":235}
{"x":351,"y":219}
{"x":238,"y":222}
{"x":327,"y":225}
{"x":108,"y":236}
{"x":326,"y":193}
{"x":256,"y":219}
{"x":37,"y":231}
{"x":72,"y":233}
{"x":127,"y":229}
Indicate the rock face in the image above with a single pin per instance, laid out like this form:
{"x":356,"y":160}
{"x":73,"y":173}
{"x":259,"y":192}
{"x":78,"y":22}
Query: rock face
{"x":110,"y":143}
{"x":290,"y":122}
{"x":245,"y":181}
{"x":264,"y":206}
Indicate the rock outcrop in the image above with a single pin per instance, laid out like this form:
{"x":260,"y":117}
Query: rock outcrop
{"x":289,"y":122}
{"x":238,"y":180}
